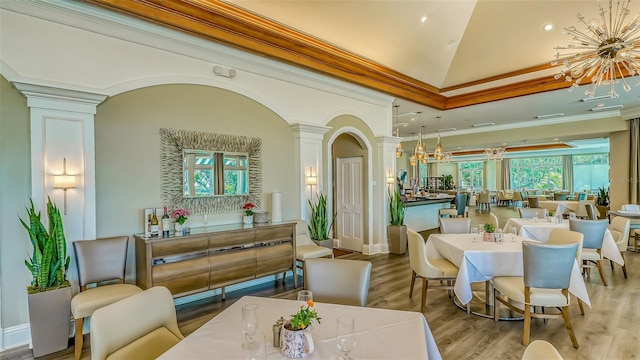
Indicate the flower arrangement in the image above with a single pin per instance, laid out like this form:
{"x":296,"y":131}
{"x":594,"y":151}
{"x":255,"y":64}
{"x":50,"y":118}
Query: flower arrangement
{"x":489,"y":228}
{"x":302,"y":319}
{"x":248,"y":208}
{"x":180,"y":215}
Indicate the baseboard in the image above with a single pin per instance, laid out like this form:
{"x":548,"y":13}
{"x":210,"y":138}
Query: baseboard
{"x":16,"y":336}
{"x":375,"y":249}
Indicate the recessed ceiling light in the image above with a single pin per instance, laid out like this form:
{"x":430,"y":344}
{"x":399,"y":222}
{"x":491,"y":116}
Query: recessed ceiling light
{"x":556,"y":139}
{"x":603,"y":108}
{"x":424,"y":19}
{"x":598,"y":98}
{"x":549,"y":116}
{"x":548,"y":27}
{"x":447,"y":129}
{"x":484,"y":124}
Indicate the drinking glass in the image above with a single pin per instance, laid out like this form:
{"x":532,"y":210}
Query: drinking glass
{"x":205,"y":220}
{"x":514,"y":231}
{"x":474,"y":231}
{"x":303,"y":297}
{"x":535,"y":217}
{"x":499,"y":236}
{"x":259,"y":351}
{"x":249,"y":325}
{"x":346,"y":335}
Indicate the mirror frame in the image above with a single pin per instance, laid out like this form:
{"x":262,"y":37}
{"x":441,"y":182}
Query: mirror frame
{"x":172,"y":144}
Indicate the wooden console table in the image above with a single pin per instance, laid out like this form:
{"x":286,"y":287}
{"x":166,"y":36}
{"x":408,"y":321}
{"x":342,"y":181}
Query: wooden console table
{"x":215,"y":256}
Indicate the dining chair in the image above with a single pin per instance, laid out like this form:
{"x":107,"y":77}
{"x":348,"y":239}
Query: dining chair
{"x":494,"y":220}
{"x":484,"y":201}
{"x":582,"y":196}
{"x":142,"y":326}
{"x":527,"y":213}
{"x":559,"y":196}
{"x":307,"y":248}
{"x":518,"y":199}
{"x":563,"y":236}
{"x":545,"y":284}
{"x":534,"y":202}
{"x":338,"y":281}
{"x":541,"y":350}
{"x":619,"y":229}
{"x":455,"y":225}
{"x":99,"y":261}
{"x":591,"y":211}
{"x":460,"y":209}
{"x":426,"y":267}
{"x":593,"y":232}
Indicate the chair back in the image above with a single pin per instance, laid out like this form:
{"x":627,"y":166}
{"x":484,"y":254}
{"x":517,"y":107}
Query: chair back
{"x":517,"y":196}
{"x":620,"y":228}
{"x":534,"y":202}
{"x":101,"y":260}
{"x":494,"y":220}
{"x":528,"y":213}
{"x":461,"y":203}
{"x":593,"y":231}
{"x":302,"y":234}
{"x":540,"y":349}
{"x":562,"y":236}
{"x":559,"y":196}
{"x":582,"y":196}
{"x":121,"y":327}
{"x":591,"y":211}
{"x":548,"y":266}
{"x":630,"y":207}
{"x":483,"y":197}
{"x":418,"y":259}
{"x":455,"y":225}
{"x":338,"y":281}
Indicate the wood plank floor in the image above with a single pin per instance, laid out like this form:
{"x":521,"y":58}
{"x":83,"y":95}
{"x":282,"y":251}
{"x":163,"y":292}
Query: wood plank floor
{"x":609,"y":330}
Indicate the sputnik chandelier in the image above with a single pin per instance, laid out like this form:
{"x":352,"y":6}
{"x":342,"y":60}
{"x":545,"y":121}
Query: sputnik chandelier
{"x":421,"y":150}
{"x":604,"y":52}
{"x":496,"y":153}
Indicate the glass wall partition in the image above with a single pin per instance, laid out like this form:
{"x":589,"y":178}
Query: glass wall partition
{"x":590,"y":172}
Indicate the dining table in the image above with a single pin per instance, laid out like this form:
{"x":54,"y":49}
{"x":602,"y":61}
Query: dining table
{"x":566,"y":206}
{"x":380,"y":333}
{"x":541,"y":228}
{"x":481,"y":261}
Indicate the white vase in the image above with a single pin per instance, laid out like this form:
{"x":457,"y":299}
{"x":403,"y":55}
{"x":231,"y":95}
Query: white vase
{"x":247,"y":219}
{"x":177,"y":227}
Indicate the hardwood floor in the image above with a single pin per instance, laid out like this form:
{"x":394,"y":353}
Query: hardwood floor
{"x":609,"y":330}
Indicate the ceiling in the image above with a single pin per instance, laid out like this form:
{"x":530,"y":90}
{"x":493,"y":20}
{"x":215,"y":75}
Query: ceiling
{"x":464,"y":46}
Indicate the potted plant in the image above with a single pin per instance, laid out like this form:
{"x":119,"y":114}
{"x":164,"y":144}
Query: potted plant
{"x":296,"y":341}
{"x":447,"y":182}
{"x":50,"y":292}
{"x":319,"y":223}
{"x":603,"y":202}
{"x":247,"y":218}
{"x":397,"y":231}
{"x":489,"y":232}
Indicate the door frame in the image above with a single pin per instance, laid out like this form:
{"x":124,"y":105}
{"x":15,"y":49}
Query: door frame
{"x":359,"y":136}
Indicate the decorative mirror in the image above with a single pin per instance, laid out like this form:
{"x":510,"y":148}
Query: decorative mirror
{"x":209,"y":173}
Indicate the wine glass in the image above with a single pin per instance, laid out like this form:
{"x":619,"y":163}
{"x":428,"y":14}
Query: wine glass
{"x":346,"y":335}
{"x":499,"y":236}
{"x":535,"y":217}
{"x":474,"y":232}
{"x":205,"y":220}
{"x":249,"y":325}
{"x":303,"y":297}
{"x":513,"y":231}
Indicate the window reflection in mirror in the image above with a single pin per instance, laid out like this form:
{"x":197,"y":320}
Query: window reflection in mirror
{"x":211,"y":173}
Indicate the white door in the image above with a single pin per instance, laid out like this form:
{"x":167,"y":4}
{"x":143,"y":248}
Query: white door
{"x":349,"y":203}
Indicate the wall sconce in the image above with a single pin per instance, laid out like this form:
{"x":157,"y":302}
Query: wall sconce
{"x":64,"y":181}
{"x":311,"y":179}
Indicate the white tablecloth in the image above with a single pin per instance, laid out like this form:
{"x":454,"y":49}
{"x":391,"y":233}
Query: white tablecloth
{"x":381,"y":333}
{"x":540,"y":230}
{"x":482,"y":261}
{"x":565,"y":206}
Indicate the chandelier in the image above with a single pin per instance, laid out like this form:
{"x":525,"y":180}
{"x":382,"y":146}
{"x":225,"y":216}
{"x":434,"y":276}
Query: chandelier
{"x":496,"y":153}
{"x":446,"y":157}
{"x":438,"y":152}
{"x":421,"y":151}
{"x":399,"y":146}
{"x":603,"y":52}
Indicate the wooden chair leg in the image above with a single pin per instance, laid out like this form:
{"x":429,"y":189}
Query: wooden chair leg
{"x":599,"y":265}
{"x":567,"y":324}
{"x":496,"y":306}
{"x":413,"y":281}
{"x":425,"y":283}
{"x":581,"y":307}
{"x":611,"y":263}
{"x":78,"y":338}
{"x":527,"y":325}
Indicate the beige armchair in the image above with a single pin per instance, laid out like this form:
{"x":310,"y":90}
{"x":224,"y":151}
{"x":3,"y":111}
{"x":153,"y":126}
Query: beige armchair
{"x":484,"y":200}
{"x":99,"y":261}
{"x":142,"y":326}
{"x":593,"y":232}
{"x":455,"y":225}
{"x":428,"y":268}
{"x":619,"y":229}
{"x":528,"y":213}
{"x":338,"y":281}
{"x":306,"y":248}
{"x":541,"y":350}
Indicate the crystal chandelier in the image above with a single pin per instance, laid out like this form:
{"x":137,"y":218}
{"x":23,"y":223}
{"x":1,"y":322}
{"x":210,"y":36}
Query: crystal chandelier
{"x":446,"y":157}
{"x":420,"y":151}
{"x":399,"y":146}
{"x":438,"y":152}
{"x":604,"y":52}
{"x":494,"y":153}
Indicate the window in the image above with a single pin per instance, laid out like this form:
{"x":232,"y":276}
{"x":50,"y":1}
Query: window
{"x":235,"y":174}
{"x":590,"y":171}
{"x":536,"y":173}
{"x":471,"y":175}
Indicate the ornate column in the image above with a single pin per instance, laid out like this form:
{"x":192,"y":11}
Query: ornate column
{"x":384,"y":168}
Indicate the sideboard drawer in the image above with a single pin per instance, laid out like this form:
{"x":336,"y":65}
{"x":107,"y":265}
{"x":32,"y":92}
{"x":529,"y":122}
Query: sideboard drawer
{"x":182,"y":246}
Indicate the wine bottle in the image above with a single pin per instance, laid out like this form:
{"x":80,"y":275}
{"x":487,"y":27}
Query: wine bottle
{"x":165,"y":224}
{"x":154,"y":224}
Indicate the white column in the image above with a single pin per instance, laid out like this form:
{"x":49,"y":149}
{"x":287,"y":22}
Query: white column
{"x":384,"y":167}
{"x":308,"y":156}
{"x":62,"y":126}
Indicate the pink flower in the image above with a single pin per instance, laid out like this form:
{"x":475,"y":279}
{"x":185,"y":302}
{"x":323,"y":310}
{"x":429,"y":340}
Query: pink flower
{"x":180,"y":215}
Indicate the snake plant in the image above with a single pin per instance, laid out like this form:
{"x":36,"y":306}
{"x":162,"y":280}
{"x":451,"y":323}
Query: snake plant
{"x":319,"y":224}
{"x":49,"y":263}
{"x":396,"y":208}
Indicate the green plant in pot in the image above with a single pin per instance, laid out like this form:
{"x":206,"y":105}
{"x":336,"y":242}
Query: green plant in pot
{"x":603,"y":202}
{"x":489,"y":232}
{"x":397,"y":231}
{"x":49,"y":291}
{"x":447,"y":182}
{"x":321,"y":221}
